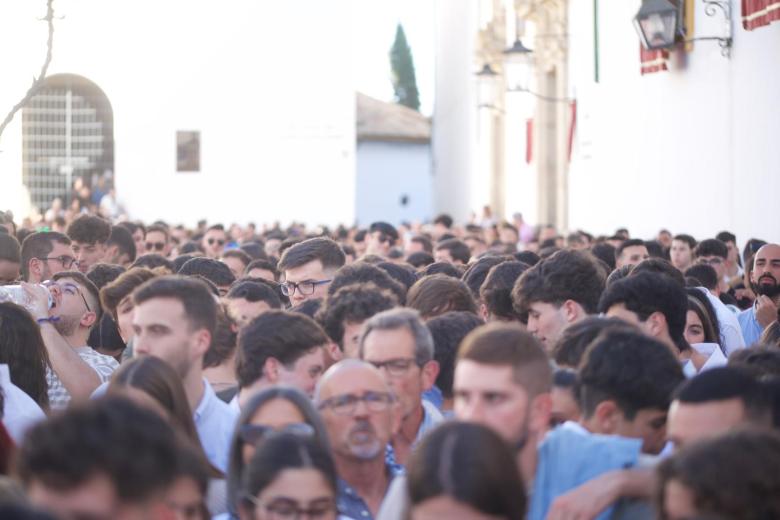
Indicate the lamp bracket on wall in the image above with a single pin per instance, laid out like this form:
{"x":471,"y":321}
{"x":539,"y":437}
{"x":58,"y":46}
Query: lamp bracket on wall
{"x":711,"y":8}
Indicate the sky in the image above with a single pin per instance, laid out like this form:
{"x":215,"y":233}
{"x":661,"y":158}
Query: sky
{"x":374,"y":24}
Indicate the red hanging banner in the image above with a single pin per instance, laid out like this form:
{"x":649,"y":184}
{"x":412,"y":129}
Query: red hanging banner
{"x":652,"y":61}
{"x":758,"y":13}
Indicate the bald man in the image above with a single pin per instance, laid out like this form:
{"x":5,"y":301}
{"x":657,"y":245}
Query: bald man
{"x":361,"y":415}
{"x":764,"y":282}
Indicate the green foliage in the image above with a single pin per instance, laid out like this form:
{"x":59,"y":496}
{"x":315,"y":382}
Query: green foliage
{"x":404,"y":80}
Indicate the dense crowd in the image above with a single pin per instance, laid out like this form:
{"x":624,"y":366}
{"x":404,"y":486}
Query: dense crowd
{"x":492,"y":370}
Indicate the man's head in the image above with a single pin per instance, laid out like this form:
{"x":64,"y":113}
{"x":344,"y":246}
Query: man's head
{"x":236,"y":260}
{"x":571,"y":346}
{"x":681,"y":252}
{"x":630,"y":252}
{"x":281,"y":347}
{"x":715,"y":402}
{"x":448,"y":331}
{"x":503,"y":380}
{"x":158,"y":241}
{"x":419,"y":244}
{"x":44,"y":254}
{"x":705,"y":274}
{"x":76,"y":305}
{"x":212,"y":270}
{"x":654,"y":302}
{"x":174,"y":319}
{"x":453,"y":251}
{"x":712,"y":252}
{"x":343,"y":313}
{"x":363,"y":272}
{"x":10,"y":259}
{"x":625,"y":383}
{"x":508,"y":234}
{"x":309,"y":267}
{"x":401,"y":347}
{"x":557,"y":292}
{"x":107,"y":459}
{"x":88,"y":235}
{"x":436,"y":294}
{"x":214,"y":240}
{"x":248,"y":300}
{"x":496,"y":291}
{"x":359,"y":410}
{"x":765,"y":277}
{"x":120,"y":247}
{"x":138,"y":231}
{"x":730,"y":239}
{"x":380,"y":238}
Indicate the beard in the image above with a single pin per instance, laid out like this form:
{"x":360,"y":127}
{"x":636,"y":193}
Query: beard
{"x":766,"y":289}
{"x":67,"y":325}
{"x":363,"y":442}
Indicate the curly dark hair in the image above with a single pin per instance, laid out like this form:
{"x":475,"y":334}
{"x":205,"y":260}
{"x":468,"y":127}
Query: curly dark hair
{"x":131,"y":445}
{"x":566,"y":275}
{"x":213,"y":270}
{"x":363,"y":272}
{"x":448,"y":330}
{"x":353,"y":304}
{"x":496,"y":291}
{"x":89,"y":229}
{"x":438,"y":293}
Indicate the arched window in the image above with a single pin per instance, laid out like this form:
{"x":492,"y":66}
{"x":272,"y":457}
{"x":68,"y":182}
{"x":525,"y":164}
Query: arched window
{"x":67,"y":133}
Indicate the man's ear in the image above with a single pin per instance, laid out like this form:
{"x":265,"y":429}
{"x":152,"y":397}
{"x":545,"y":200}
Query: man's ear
{"x":656,"y":324}
{"x":429,"y":373}
{"x":202,"y":339}
{"x":572,"y":311}
{"x":606,"y":416}
{"x":35,"y":267}
{"x":88,"y":319}
{"x":271,"y":370}
{"x":541,"y":410}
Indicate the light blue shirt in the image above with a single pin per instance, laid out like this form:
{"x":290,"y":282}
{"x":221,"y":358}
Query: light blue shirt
{"x":215,"y":422}
{"x":730,"y":332}
{"x":751,"y":329}
{"x":431,"y":418}
{"x":569,"y":456}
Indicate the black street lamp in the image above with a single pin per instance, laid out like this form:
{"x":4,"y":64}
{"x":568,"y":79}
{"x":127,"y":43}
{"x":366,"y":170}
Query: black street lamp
{"x":657,"y":23}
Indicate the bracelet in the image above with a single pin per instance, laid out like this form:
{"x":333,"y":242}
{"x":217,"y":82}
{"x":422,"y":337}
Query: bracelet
{"x":50,"y":319}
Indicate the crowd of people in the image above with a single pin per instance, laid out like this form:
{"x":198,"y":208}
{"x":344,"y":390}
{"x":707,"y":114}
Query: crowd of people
{"x":481,"y":371}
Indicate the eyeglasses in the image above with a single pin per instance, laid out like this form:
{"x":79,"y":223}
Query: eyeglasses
{"x":346,"y":404}
{"x":305,"y":288}
{"x":68,"y":288}
{"x":218,"y":241}
{"x":254,"y":433}
{"x":289,"y":509}
{"x":395,"y":367}
{"x":156,"y":246}
{"x":64,"y":260}
{"x":710,"y":261}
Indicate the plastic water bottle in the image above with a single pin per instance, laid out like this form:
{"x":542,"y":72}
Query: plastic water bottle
{"x":16,"y":294}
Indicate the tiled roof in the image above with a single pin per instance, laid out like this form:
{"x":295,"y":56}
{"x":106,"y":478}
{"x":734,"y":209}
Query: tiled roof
{"x":382,"y":121}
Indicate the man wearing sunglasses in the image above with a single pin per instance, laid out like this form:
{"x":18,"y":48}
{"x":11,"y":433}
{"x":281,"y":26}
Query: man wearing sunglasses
{"x":309,"y":267}
{"x":380,"y":239}
{"x":76,"y":369}
{"x":157,"y":241}
{"x":214,"y":241}
{"x":45,"y":254}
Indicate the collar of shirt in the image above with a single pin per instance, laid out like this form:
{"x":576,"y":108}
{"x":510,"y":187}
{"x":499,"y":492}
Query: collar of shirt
{"x":352,"y":505}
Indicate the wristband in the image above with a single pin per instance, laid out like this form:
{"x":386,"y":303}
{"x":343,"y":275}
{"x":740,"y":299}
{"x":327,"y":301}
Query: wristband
{"x":50,"y":319}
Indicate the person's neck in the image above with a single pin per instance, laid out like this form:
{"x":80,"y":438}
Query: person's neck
{"x":244,"y":394}
{"x":368,"y":477}
{"x":222,"y":375}
{"x":447,"y":404}
{"x":78,"y":338}
{"x":194,"y":387}
{"x":404,"y":440}
{"x":526,"y":459}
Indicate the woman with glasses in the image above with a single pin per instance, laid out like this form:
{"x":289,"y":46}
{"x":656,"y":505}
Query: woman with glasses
{"x":276,"y":409}
{"x":289,"y":477}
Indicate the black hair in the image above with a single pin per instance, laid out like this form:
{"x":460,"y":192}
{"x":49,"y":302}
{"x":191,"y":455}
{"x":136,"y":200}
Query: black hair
{"x":647,"y":293}
{"x":362,"y":272}
{"x":726,"y":236}
{"x":705,"y":274}
{"x":654,"y":249}
{"x":10,"y":249}
{"x":265,"y":264}
{"x":723,"y":383}
{"x":426,"y":243}
{"x":308,"y":307}
{"x":180,"y":260}
{"x":101,"y":274}
{"x":635,"y":371}
{"x":420,"y":259}
{"x":153,"y":261}
{"x":711,"y":247}
{"x":688,"y":239}
{"x":353,"y":304}
{"x":606,"y":253}
{"x":478,"y":270}
{"x":39,"y":245}
{"x":123,"y":239}
{"x":441,"y":268}
{"x":448,"y":330}
{"x":660,"y":266}
{"x":443,"y":219}
{"x":214,"y":270}
{"x":401,"y":273}
{"x":255,"y":250}
{"x":254,"y":292}
{"x":496,"y":291}
{"x":576,"y":338}
{"x":200,"y":308}
{"x":131,"y":445}
{"x":384,"y":227}
{"x":566,"y":275}
{"x":89,"y":229}
{"x":631,"y":242}
{"x":438,"y":293}
{"x":527,"y":257}
{"x":458,"y":249}
{"x":325,"y":250}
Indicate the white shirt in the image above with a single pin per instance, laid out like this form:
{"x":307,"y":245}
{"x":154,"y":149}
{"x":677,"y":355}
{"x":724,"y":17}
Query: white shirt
{"x":715,"y":358}
{"x":104,"y":366}
{"x":215,"y":422}
{"x":730,"y":331}
{"x":21,"y":411}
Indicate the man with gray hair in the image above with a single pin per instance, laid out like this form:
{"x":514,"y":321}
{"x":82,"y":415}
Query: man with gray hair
{"x":399,"y":344}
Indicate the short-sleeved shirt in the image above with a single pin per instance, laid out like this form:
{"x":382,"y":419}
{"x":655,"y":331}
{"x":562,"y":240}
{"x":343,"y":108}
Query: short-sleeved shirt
{"x":104,"y":366}
{"x":751,"y":328}
{"x":215,"y":422}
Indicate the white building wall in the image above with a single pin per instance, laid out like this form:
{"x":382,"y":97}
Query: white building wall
{"x":389,"y":172}
{"x":261,"y":81}
{"x":692,"y":149}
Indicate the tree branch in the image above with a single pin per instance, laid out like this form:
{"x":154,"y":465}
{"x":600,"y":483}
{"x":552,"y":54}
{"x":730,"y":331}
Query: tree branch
{"x":37,"y":82}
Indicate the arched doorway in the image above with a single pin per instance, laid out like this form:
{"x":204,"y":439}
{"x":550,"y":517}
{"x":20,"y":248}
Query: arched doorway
{"x":67,"y":134}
